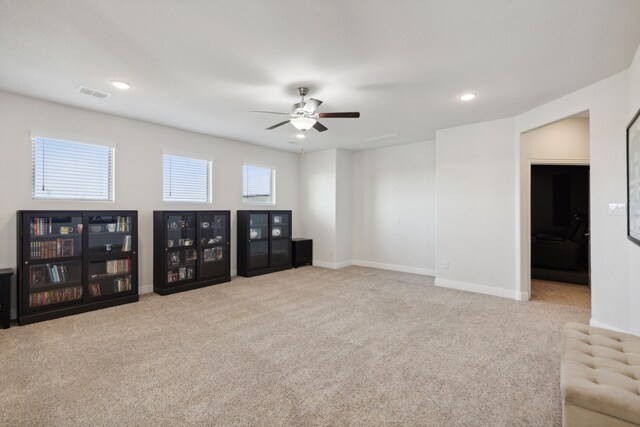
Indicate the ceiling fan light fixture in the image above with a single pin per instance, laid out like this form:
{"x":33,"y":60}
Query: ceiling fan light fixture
{"x":303,"y":123}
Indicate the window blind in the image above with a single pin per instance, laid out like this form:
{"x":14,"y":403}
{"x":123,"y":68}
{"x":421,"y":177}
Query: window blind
{"x":65,"y":170}
{"x":258,"y":185}
{"x":186,"y":179}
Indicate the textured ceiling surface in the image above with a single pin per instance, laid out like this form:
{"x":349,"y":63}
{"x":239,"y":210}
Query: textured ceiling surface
{"x":203,"y":65}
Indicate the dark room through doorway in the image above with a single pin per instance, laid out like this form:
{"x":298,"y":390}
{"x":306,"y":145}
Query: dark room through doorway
{"x":560,"y":223}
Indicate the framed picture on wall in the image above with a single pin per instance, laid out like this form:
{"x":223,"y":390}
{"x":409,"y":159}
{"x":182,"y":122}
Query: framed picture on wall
{"x":633,"y":179}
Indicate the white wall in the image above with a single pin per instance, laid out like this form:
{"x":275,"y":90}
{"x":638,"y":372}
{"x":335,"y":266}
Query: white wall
{"x":475,"y":204}
{"x":344,"y":208}
{"x":566,"y":139}
{"x":318,"y":204}
{"x":563,"y":142}
{"x":138,"y":186}
{"x":633,"y":255}
{"x":394,"y":208}
{"x":607,"y":104}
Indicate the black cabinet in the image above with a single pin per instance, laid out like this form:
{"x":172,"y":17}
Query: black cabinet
{"x":264,"y":242}
{"x":5,"y":297}
{"x":190,"y":250}
{"x":75,"y":261}
{"x":302,"y":252}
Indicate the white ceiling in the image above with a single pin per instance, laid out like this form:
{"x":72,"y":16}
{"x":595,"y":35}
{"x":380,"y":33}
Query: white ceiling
{"x":203,"y":65}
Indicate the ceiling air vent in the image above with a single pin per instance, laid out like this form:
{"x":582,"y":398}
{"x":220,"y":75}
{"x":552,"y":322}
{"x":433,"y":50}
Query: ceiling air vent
{"x":93,"y":92}
{"x":392,"y":138}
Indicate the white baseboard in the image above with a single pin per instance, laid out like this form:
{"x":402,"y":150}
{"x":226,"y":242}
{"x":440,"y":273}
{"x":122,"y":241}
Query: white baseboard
{"x":145,"y":289}
{"x":524,"y":296}
{"x":325,"y":264}
{"x":480,"y":289}
{"x":598,"y":324}
{"x":344,"y":264}
{"x":394,"y":267}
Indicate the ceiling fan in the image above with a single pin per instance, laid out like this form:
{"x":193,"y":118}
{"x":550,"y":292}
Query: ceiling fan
{"x":304,"y":115}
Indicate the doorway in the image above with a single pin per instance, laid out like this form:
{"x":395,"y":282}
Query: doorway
{"x":560,"y":223}
{"x":560,"y":143}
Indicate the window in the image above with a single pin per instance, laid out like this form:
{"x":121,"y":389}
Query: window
{"x":185,"y":179}
{"x":65,"y":170}
{"x":258,"y":185}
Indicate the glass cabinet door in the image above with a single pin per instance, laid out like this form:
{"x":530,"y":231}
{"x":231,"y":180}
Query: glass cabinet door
{"x":258,"y":226}
{"x":181,"y":230}
{"x":280,"y":225}
{"x":259,"y":254}
{"x":280,"y":238}
{"x":214,"y":246}
{"x":181,"y":265}
{"x":181,"y":255}
{"x":54,"y":283}
{"x":280,"y":252}
{"x":109,"y":234}
{"x":54,"y":258}
{"x":108,"y":277}
{"x":54,"y":237}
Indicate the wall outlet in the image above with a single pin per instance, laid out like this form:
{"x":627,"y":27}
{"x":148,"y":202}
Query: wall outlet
{"x":445,"y":265}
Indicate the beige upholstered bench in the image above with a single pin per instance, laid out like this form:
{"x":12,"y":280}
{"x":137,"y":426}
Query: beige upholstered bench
{"x":600,"y":377}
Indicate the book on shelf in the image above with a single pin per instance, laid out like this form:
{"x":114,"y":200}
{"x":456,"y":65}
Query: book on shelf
{"x":94,"y":289}
{"x":41,"y":226}
{"x":57,"y":248}
{"x":123,"y":223}
{"x":126,"y":243}
{"x":118,"y":266}
{"x":55,"y":296}
{"x":56,"y":273}
{"x":122,"y":284}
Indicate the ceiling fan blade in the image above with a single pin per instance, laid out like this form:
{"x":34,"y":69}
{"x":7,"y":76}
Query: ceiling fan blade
{"x":278,"y":125}
{"x":339,"y":115}
{"x":319,"y":127}
{"x":268,"y":112}
{"x":312,"y":105}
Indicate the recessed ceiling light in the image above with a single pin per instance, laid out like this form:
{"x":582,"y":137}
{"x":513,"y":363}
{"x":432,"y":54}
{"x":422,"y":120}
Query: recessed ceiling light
{"x":469,"y":96}
{"x":121,"y":84}
{"x":301,"y":135}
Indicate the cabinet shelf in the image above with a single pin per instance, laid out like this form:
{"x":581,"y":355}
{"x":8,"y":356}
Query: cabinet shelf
{"x":108,"y":275}
{"x":54,"y":236}
{"x":39,"y":296}
{"x":52,"y":286}
{"x":182,"y":264}
{"x":42,"y":261}
{"x":105,"y":256}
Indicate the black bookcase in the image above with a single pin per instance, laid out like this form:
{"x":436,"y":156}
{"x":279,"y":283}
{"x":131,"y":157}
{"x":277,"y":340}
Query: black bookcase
{"x":191,"y":249}
{"x":264,"y":242}
{"x":71,"y":262}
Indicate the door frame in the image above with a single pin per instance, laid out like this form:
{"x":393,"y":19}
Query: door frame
{"x":525,"y":288}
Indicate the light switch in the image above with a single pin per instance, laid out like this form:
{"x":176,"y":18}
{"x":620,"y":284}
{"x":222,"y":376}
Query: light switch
{"x":617,"y":209}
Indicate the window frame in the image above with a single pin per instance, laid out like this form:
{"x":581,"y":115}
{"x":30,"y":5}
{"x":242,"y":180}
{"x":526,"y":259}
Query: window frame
{"x":209,"y":184}
{"x":272,"y":202}
{"x":82,"y":141}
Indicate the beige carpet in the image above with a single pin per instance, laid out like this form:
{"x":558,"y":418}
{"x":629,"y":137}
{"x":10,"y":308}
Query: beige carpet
{"x":311,"y":346}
